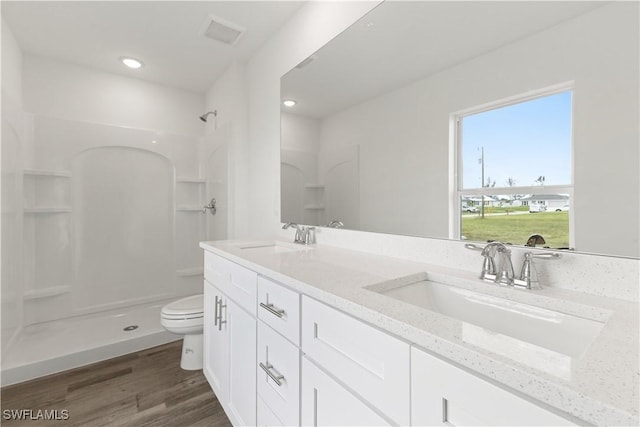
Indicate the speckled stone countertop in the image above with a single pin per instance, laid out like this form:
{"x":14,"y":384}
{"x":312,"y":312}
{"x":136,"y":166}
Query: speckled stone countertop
{"x":598,"y":387}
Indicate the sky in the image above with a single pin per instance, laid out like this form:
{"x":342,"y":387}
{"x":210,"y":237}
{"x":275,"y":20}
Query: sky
{"x":523,"y":141}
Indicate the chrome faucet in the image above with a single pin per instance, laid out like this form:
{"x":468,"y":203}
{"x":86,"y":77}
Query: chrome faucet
{"x":528,"y":276}
{"x":304,"y":235}
{"x":503,"y":274}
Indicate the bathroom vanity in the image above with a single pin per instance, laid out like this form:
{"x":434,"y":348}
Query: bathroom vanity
{"x":300,"y":335}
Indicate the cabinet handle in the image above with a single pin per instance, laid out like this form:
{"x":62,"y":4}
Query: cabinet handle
{"x":215,"y":317}
{"x":220,"y":321}
{"x":277,"y":378}
{"x":272,"y":310}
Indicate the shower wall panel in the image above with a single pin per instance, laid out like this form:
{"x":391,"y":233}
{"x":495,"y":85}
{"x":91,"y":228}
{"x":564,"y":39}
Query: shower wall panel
{"x":12,"y":256}
{"x":123,"y":227}
{"x":102,"y":206}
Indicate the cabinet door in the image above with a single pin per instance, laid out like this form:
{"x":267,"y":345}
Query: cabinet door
{"x":216,"y":351}
{"x":241,"y":327}
{"x":372,"y":363}
{"x":445,"y":395}
{"x":327,"y":403}
{"x":266,"y":417}
{"x":280,"y":358}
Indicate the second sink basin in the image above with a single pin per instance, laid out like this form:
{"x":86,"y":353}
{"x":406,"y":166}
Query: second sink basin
{"x":273,"y":247}
{"x":559,"y":332}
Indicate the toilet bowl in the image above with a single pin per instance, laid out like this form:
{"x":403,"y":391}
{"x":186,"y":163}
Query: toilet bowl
{"x":186,"y":317}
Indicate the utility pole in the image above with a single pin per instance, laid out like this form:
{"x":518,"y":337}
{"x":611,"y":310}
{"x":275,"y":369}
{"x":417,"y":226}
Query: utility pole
{"x":481,"y":159}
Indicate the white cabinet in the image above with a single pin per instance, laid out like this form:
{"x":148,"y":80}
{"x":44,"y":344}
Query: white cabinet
{"x":230,"y":355}
{"x":242,"y":360}
{"x":216,"y":354}
{"x":266,"y":417}
{"x":279,"y":308}
{"x":372,"y":363}
{"x":278,"y":352}
{"x":445,"y":395}
{"x":275,"y":357}
{"x":327,"y":403}
{"x":279,"y":375}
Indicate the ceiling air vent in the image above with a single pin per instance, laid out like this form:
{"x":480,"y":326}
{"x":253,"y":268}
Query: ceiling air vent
{"x":222,"y":30}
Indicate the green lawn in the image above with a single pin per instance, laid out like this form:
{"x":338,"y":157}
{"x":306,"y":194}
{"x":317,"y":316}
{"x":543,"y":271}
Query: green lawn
{"x":516,"y":229}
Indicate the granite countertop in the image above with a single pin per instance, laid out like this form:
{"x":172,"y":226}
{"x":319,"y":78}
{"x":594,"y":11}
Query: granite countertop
{"x":599,"y":386}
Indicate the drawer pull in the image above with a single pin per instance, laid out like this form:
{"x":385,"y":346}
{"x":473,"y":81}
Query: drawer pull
{"x":272,"y":310}
{"x":215,"y":317}
{"x":277,"y":378}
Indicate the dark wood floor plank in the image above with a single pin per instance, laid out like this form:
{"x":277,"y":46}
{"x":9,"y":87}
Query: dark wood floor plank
{"x":146,"y":388}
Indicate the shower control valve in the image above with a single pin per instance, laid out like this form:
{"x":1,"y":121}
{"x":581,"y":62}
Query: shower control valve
{"x":211,"y":206}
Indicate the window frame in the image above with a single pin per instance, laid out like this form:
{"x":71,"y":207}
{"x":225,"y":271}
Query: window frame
{"x":456,"y":191}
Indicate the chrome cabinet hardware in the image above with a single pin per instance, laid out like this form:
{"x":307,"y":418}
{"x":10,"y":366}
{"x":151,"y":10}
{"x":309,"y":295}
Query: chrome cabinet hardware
{"x":277,"y":378}
{"x":271,"y":309}
{"x":215,"y":316}
{"x":220,"y":321}
{"x":219,"y":307}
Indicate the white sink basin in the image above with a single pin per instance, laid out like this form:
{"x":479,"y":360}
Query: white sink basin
{"x":273,"y":247}
{"x":531,"y":328}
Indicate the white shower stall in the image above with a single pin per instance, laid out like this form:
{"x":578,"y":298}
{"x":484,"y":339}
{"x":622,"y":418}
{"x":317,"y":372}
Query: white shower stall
{"x":102,"y":215}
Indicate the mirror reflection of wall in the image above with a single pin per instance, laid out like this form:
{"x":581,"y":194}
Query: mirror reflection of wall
{"x":393,"y":103}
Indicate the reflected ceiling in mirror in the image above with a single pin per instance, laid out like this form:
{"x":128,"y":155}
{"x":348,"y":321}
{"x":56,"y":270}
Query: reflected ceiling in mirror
{"x":370,"y":141}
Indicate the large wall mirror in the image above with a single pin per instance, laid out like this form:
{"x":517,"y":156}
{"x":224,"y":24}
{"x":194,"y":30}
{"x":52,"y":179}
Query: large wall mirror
{"x":471,"y":120}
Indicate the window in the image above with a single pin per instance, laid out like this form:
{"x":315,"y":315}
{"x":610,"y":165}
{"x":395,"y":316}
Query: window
{"x":513,"y":176}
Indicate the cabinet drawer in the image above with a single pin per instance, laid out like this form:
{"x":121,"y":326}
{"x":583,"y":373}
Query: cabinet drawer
{"x":266,"y":417}
{"x":237,"y":282}
{"x":372,"y":363}
{"x":325,"y":402}
{"x":279,"y":308}
{"x":282,"y":360}
{"x":445,"y":395}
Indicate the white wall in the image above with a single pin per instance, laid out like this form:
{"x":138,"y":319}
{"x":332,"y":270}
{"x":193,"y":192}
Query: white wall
{"x":67,"y":91}
{"x":228,"y":97}
{"x":404,"y":135}
{"x":11,"y":184}
{"x":314,"y":25}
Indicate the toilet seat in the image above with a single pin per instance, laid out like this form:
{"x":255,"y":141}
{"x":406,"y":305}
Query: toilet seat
{"x":186,"y":308}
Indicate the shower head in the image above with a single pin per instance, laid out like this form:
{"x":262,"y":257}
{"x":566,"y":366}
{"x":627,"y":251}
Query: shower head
{"x":204,"y":116}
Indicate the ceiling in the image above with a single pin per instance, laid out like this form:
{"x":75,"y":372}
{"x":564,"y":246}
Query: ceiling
{"x":165,"y":35}
{"x":400,"y":42}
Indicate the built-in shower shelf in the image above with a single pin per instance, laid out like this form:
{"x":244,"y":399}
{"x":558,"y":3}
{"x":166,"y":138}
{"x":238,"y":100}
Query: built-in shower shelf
{"x":46,"y":292}
{"x":46,"y":210}
{"x":50,"y":173}
{"x":189,"y":208}
{"x":185,"y":272}
{"x":314,"y":186}
{"x":190,"y":180}
{"x":314,"y":207}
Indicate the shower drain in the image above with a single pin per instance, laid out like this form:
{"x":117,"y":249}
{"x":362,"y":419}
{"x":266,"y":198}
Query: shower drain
{"x":130,"y":328}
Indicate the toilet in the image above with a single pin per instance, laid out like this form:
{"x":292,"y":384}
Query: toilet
{"x":185,"y":317}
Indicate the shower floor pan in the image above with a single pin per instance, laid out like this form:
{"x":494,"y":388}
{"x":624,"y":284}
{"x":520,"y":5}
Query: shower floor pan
{"x":50,"y":347}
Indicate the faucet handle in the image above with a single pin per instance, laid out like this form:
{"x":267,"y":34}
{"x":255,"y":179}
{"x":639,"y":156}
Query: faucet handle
{"x":310,"y":236}
{"x":528,"y":274}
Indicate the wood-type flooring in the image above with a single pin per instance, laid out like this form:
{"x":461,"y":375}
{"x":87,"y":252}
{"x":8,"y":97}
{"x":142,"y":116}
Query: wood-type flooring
{"x":146,"y":388}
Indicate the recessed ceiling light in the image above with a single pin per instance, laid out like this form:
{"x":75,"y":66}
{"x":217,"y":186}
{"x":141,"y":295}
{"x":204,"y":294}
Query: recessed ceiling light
{"x":131,"y":62}
{"x":288,"y":102}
